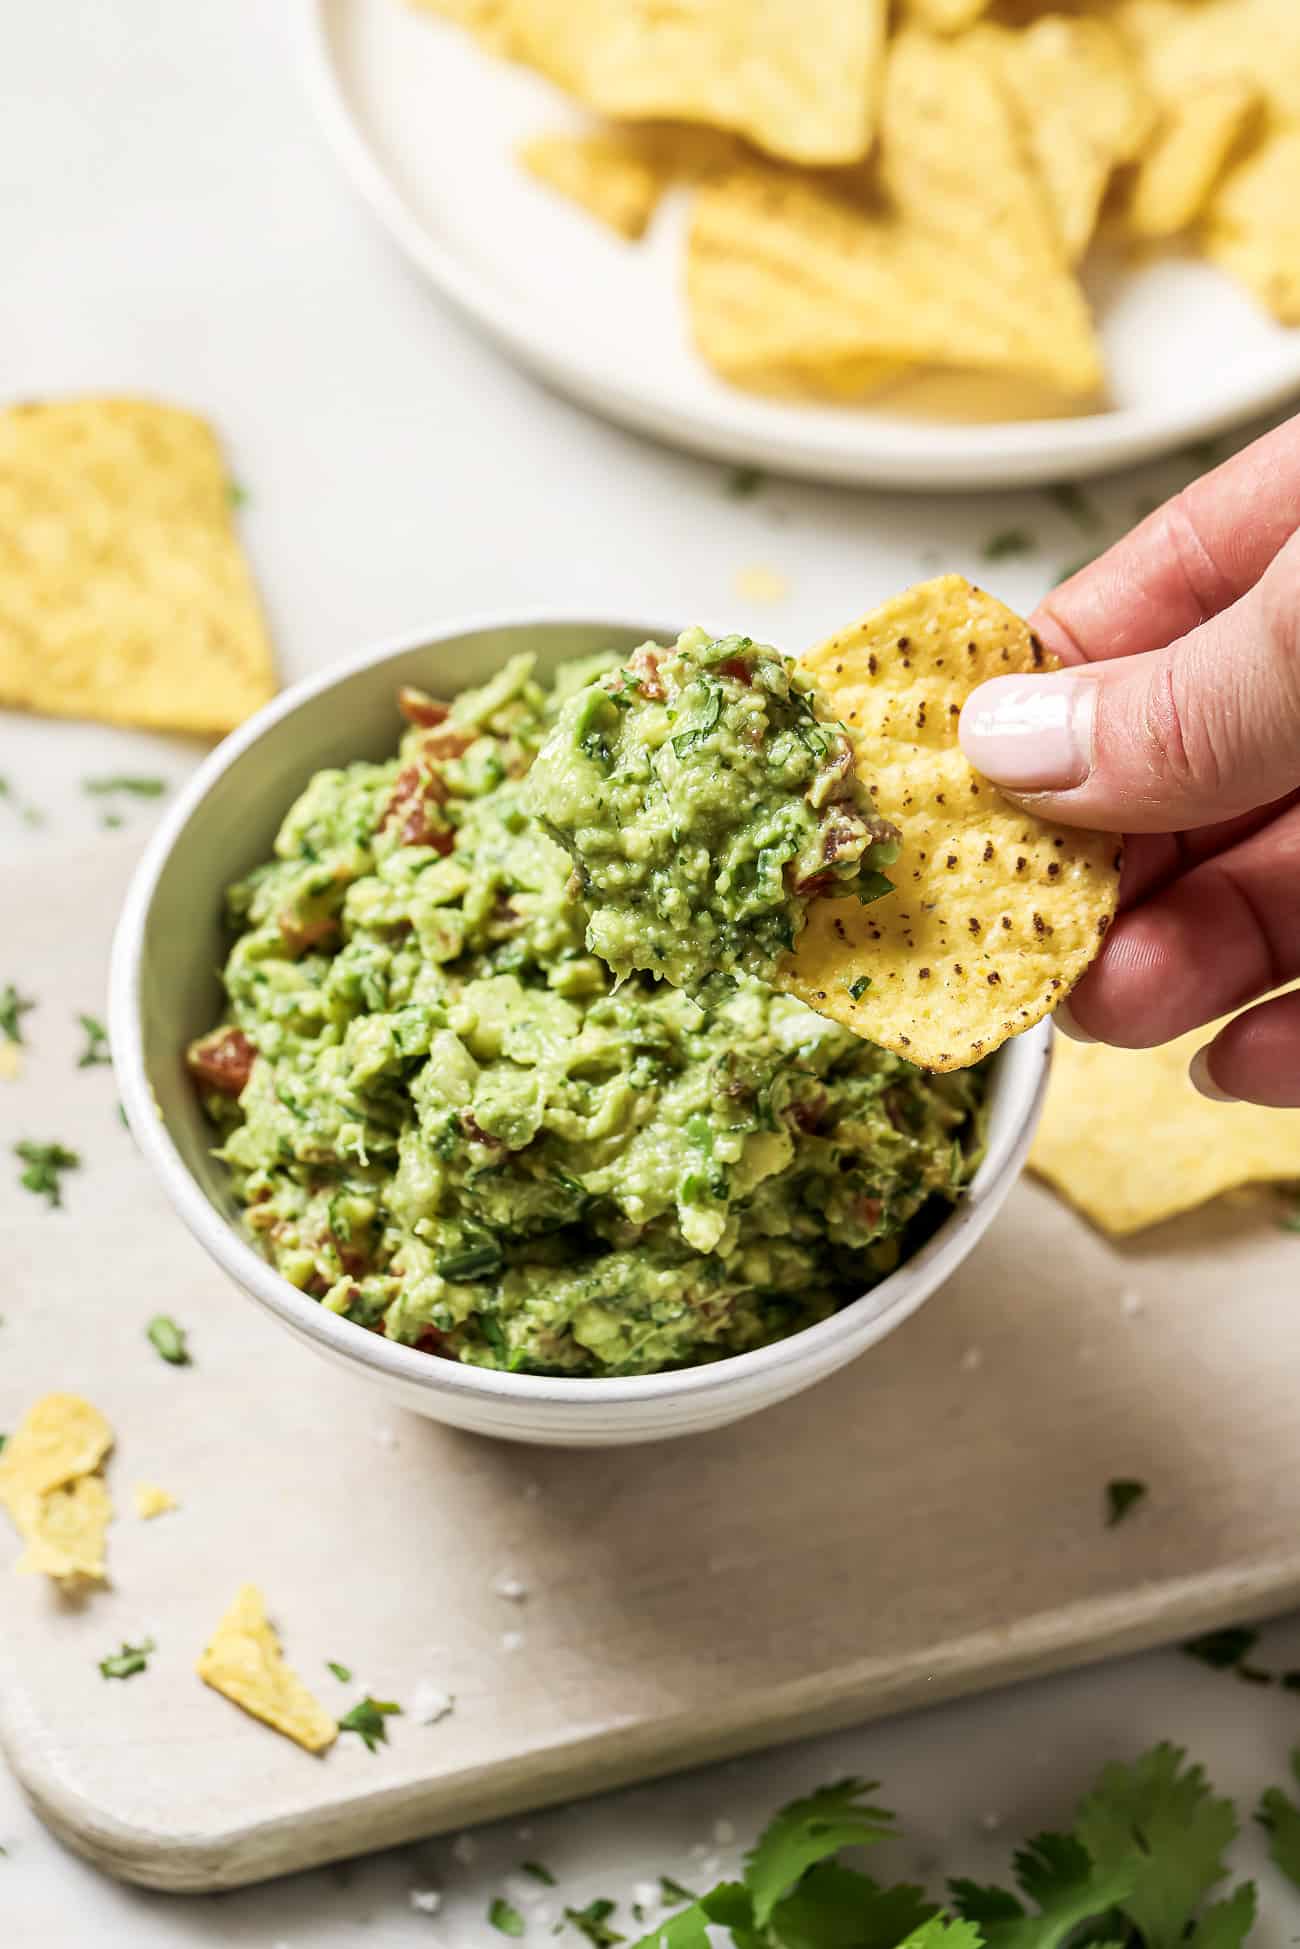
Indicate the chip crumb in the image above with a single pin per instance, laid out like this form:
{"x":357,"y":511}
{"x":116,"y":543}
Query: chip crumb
{"x":11,"y":1062}
{"x":151,"y":1501}
{"x":760,"y":584}
{"x":243,"y":1661}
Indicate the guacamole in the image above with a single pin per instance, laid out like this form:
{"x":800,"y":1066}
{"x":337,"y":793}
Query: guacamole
{"x":447,"y":1121}
{"x":706,"y":800}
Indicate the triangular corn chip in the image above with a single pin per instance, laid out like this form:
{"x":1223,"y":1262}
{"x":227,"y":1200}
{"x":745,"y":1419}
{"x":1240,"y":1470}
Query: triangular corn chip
{"x":243,"y":1662}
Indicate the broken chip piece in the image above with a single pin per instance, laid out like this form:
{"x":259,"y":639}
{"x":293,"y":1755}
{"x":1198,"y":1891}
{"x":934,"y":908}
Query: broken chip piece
{"x":243,"y":1662}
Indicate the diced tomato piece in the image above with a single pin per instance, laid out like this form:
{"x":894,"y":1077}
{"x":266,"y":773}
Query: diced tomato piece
{"x":644,"y":665}
{"x":736,"y":667}
{"x":222,"y":1061}
{"x":451,"y":743}
{"x":417,"y":707}
{"x":414,"y":792}
{"x":298,"y":936}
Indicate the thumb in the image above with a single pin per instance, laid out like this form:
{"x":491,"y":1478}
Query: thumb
{"x":1184,"y":736}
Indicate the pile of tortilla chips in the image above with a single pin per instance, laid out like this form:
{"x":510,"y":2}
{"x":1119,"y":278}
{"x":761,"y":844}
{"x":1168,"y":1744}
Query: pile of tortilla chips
{"x":51,"y":1486}
{"x":884,"y":189}
{"x":124,"y":595}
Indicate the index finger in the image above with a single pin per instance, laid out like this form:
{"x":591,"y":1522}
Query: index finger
{"x":1189,"y":560}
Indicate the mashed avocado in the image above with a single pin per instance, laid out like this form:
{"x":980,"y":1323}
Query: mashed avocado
{"x":706,"y":800}
{"x":447,"y":1121}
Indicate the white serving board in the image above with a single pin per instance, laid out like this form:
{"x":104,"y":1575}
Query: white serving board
{"x":426,"y":124}
{"x":928,"y":1522}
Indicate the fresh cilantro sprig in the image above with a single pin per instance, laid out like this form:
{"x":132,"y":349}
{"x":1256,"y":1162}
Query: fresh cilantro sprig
{"x":368,"y":1720}
{"x":1281,"y":1818}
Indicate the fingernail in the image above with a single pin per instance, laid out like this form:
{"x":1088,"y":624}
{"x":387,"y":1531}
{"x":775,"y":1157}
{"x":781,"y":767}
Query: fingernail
{"x":1031,"y":734}
{"x":1199,"y":1072}
{"x":1065,"y":1022}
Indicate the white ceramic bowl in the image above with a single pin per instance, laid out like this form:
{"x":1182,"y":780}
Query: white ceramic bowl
{"x":164,"y":990}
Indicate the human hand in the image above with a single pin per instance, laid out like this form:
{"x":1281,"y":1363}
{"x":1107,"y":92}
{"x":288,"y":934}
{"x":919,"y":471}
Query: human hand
{"x":1177,"y":722}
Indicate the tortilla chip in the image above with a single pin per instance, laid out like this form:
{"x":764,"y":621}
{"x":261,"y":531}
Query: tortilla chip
{"x":1128,"y":1140}
{"x":995,"y":914}
{"x":151,"y":1501}
{"x":1175,"y":178}
{"x":1253,"y":225}
{"x":123,"y":593}
{"x":946,"y":16}
{"x":59,"y":1438}
{"x":606,"y":175}
{"x":797,"y":77}
{"x":244,"y":1663}
{"x":1184,"y":46}
{"x":1084,"y":107}
{"x":65,"y":1531}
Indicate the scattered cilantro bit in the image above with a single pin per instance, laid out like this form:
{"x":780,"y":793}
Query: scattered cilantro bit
{"x":1253,"y":1675}
{"x":871,"y":885}
{"x":29,"y":814}
{"x":1290,"y":1681}
{"x":672,"y":1892}
{"x":1223,"y":1649}
{"x":539,"y":1872}
{"x":1291,"y":1223}
{"x":1070,"y":498}
{"x":367,"y":1720}
{"x":341,"y":1672}
{"x":138,"y":786}
{"x":110,"y":821}
{"x":744,"y":482}
{"x":505,"y":1917}
{"x":1011,"y":541}
{"x":859,"y":987}
{"x":1281,"y":1818}
{"x":3,"y":1440}
{"x":96,"y":1049}
{"x":13,"y":1007}
{"x":168,"y":1340}
{"x":236,"y":494}
{"x":44,"y":1163}
{"x":592,"y":1921}
{"x":1204,"y":454}
{"x":1122,"y":1495}
{"x":132,"y":1658}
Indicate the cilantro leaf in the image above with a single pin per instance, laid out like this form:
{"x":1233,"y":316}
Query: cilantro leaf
{"x":838,"y":1908}
{"x":340,"y":1672}
{"x":1011,"y":541}
{"x":743,"y":481}
{"x":806,"y":1832}
{"x":1225,"y":1925}
{"x":504,"y":1916}
{"x":138,"y":787}
{"x":672,"y":1892}
{"x":1070,"y":498}
{"x":366,"y":1719}
{"x":44,"y":1163}
{"x":13,"y":1007}
{"x":592,"y":1921}
{"x":168,"y":1340}
{"x":1121,"y":1496}
{"x":728,"y":1906}
{"x":1282,"y":1819}
{"x":1160,"y":1818}
{"x":96,"y":1049}
{"x":1223,"y":1649}
{"x":943,"y":1933}
{"x":1056,"y":1873}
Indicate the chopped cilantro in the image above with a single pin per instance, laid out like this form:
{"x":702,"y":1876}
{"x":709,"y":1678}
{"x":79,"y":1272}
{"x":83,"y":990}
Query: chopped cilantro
{"x":29,"y":814}
{"x":592,"y":1921}
{"x":132,"y":1658}
{"x":1070,"y":498}
{"x":744,"y":482}
{"x":859,"y":987}
{"x":341,"y":1672}
{"x":3,"y":1440}
{"x":539,"y":1872}
{"x":1010,"y":541}
{"x":236,"y":494}
{"x":13,"y":1007}
{"x":168,"y":1339}
{"x":1223,"y":1649}
{"x":502,"y":1915}
{"x":1121,"y":1496}
{"x":44,"y":1163}
{"x":96,"y":1049}
{"x":478,"y":1261}
{"x":871,"y":885}
{"x":367,"y":1720}
{"x":672,"y":1892}
{"x":139,"y":787}
{"x":1280,"y":1817}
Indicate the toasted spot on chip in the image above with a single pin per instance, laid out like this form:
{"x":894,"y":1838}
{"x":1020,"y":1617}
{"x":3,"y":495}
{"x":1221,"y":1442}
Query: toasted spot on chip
{"x":151,"y":1501}
{"x":65,"y":1531}
{"x":978,"y":916}
{"x":1128,"y":1140}
{"x":60,"y":1437}
{"x":124,"y":595}
{"x":243,"y":1662}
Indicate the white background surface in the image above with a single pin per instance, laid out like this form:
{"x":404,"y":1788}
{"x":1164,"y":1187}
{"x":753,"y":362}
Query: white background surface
{"x":169,"y":222}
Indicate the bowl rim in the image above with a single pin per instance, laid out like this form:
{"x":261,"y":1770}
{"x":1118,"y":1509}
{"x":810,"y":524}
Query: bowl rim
{"x":827,"y":1342}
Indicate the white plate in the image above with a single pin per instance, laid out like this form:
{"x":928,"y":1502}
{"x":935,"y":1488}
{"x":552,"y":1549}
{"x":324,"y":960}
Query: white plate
{"x":426,"y":126}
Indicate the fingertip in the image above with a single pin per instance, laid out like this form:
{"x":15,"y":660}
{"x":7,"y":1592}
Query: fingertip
{"x":1066,"y":1022}
{"x":1198,"y":1072}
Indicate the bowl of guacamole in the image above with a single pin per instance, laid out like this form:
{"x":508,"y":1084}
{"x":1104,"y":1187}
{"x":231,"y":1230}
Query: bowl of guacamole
{"x":535,"y":1187}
